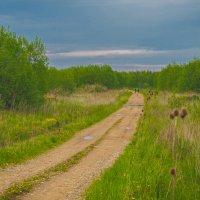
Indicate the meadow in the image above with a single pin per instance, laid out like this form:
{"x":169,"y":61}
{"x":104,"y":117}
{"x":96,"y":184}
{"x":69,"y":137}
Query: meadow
{"x":148,"y":169}
{"x":28,"y":132}
{"x":42,"y":106}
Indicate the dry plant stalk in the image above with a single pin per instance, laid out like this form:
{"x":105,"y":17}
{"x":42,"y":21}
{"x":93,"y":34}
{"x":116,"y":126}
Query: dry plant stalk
{"x":174,"y":116}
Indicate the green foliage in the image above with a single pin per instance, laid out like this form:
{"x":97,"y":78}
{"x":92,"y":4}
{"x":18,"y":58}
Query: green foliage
{"x":190,"y":80}
{"x":22,"y":70}
{"x":39,"y":62}
{"x":176,"y":78}
{"x":75,"y":77}
{"x":180,"y":78}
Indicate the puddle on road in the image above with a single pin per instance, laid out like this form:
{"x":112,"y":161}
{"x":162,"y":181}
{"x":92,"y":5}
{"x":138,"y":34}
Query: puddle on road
{"x":88,"y":137}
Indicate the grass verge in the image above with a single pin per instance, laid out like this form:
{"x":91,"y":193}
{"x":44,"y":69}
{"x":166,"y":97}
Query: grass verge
{"x":143,"y":171}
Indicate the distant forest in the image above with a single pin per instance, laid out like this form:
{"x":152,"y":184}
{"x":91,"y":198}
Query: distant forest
{"x":25,"y":75}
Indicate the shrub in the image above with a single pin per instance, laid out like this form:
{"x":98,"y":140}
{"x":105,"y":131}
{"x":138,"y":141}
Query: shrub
{"x":22,"y":70}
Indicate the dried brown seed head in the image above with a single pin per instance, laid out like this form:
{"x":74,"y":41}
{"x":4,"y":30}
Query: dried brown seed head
{"x":173,"y":171}
{"x":183,"y":113}
{"x":176,"y":112}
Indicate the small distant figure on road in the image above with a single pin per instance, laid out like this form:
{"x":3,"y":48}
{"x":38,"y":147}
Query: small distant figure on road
{"x":137,"y":90}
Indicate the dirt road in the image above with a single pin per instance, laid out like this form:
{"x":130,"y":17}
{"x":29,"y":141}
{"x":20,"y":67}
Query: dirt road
{"x":71,"y":184}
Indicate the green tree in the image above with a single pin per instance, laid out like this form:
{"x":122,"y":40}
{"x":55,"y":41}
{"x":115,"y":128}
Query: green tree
{"x":18,"y":81}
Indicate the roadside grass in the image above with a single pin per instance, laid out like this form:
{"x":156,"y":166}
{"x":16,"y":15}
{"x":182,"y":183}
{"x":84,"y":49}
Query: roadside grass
{"x":29,"y":133}
{"x":143,"y":171}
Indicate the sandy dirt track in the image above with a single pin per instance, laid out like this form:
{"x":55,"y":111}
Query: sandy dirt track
{"x":15,"y":174}
{"x":72,"y":184}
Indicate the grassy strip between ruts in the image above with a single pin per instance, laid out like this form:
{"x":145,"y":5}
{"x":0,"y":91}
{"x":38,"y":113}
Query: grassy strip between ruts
{"x":80,"y":117}
{"x":15,"y":191}
{"x":143,"y":171}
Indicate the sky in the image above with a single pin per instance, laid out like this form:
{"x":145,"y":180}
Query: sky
{"x":126,"y":34}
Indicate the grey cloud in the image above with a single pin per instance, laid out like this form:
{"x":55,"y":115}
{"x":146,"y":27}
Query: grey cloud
{"x":124,"y":52}
{"x":165,"y":30}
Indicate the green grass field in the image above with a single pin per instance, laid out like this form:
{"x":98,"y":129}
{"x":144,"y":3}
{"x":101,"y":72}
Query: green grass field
{"x":25,"y":134}
{"x":143,"y":171}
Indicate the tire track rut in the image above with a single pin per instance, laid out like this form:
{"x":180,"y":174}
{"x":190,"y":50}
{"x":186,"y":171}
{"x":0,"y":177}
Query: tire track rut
{"x":71,"y":184}
{"x":78,"y":143}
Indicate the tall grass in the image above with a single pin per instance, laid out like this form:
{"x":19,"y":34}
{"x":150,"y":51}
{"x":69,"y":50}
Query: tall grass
{"x":143,"y":171}
{"x":26,"y":134}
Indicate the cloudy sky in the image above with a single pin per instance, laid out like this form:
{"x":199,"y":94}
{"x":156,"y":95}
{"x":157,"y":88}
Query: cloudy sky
{"x":127,"y":34}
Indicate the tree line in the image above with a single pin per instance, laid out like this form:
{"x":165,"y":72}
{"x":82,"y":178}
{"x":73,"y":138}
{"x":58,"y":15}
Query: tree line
{"x":25,"y":75}
{"x":180,"y":78}
{"x":71,"y":78}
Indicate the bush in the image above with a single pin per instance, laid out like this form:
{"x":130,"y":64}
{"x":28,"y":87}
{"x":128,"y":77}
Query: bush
{"x":22,"y":70}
